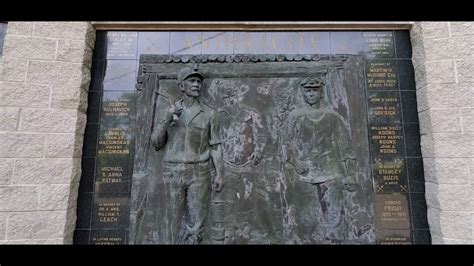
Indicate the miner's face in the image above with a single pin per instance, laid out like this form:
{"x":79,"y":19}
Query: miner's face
{"x":191,"y":86}
{"x":230,"y":100}
{"x":312,"y":95}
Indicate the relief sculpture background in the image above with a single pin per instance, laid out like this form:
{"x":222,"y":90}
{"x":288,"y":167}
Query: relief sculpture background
{"x":288,"y":137}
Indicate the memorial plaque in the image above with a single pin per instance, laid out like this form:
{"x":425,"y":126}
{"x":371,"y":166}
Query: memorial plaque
{"x":379,"y":44}
{"x":381,"y":75}
{"x":394,"y":237}
{"x":115,"y":171}
{"x":108,"y":237}
{"x":392,"y":211}
{"x":390,"y":175}
{"x":118,"y":189}
{"x":387,"y":141}
{"x":384,"y":106}
{"x":110,"y":212}
{"x":113,"y":175}
{"x":252,"y":138}
{"x":122,"y":45}
{"x":116,"y":130}
{"x":114,"y":142}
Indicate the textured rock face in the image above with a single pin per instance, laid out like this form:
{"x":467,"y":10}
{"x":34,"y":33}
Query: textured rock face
{"x":443,"y":52}
{"x":44,"y":76}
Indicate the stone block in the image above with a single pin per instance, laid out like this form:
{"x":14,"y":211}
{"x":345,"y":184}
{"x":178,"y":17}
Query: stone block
{"x":20,"y":28}
{"x":36,"y":225}
{"x":6,"y":171}
{"x":24,"y":95}
{"x":62,"y":30}
{"x":454,"y":241}
{"x":418,"y":50}
{"x":465,"y":70}
{"x":75,"y":51}
{"x":57,"y":197}
{"x":447,"y":170}
{"x":466,"y":95}
{"x":434,"y":29}
{"x":18,"y":198}
{"x":63,"y":145}
{"x":459,"y":28}
{"x":3,"y":225}
{"x":52,"y":120}
{"x":53,"y":241}
{"x":57,"y":73}
{"x":422,"y":99}
{"x":453,"y":145}
{"x":436,"y":239}
{"x":445,"y":96}
{"x":447,"y":48}
{"x":425,"y":122}
{"x":436,"y":72}
{"x":21,"y":145}
{"x":12,"y":69}
{"x":471,"y":170}
{"x":449,"y":224}
{"x":426,"y":143}
{"x":9,"y":118}
{"x":46,"y":171}
{"x":444,"y":120}
{"x":467,"y":119}
{"x":90,"y":35}
{"x":448,"y":197}
{"x":30,"y":47}
{"x":69,"y":97}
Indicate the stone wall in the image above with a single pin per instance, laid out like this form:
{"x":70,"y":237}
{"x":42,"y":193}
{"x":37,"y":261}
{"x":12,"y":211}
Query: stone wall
{"x":443,"y":57}
{"x":44,"y":78}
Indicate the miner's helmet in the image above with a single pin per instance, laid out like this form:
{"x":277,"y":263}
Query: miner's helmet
{"x":312,"y":82}
{"x":188,"y":72}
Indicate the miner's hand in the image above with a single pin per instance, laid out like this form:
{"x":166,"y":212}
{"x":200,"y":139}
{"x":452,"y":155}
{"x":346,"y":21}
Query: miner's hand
{"x":217,"y":183}
{"x":349,"y":184}
{"x":300,"y":168}
{"x":256,"y":157}
{"x":154,"y":140}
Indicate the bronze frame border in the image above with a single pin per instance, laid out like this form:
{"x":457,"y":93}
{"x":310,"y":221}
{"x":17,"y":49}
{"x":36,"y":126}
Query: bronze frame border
{"x":249,"y":26}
